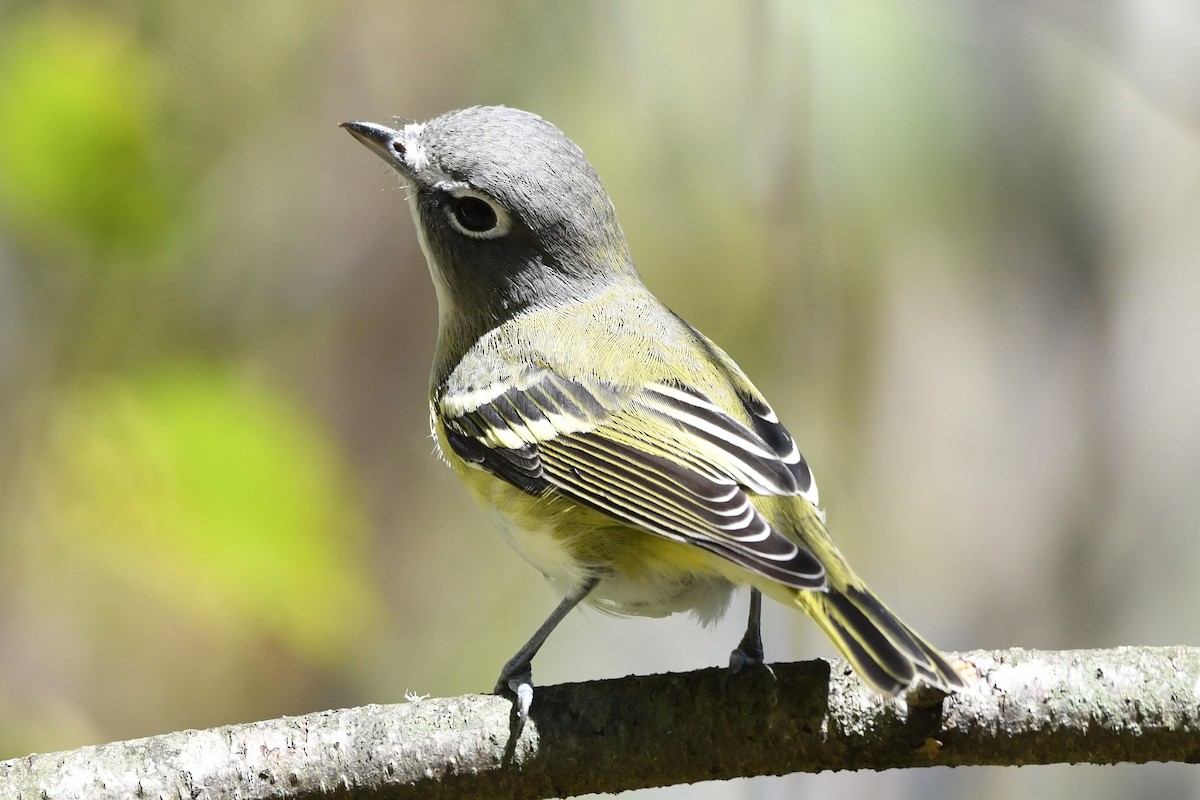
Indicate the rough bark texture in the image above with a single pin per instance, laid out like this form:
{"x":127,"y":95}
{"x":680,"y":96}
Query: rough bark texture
{"x":1097,"y":706}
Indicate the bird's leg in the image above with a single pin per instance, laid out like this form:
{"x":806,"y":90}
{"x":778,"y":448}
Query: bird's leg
{"x":517,"y":675}
{"x":749,"y":652}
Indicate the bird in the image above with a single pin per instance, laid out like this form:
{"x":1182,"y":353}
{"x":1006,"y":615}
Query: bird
{"x":621,"y":452}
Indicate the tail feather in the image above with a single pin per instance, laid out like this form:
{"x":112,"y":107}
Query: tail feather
{"x":883,"y":650}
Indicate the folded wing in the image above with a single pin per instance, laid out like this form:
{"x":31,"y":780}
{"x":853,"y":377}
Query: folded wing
{"x":665,"y":459}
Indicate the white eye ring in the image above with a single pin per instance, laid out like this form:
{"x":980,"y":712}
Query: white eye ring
{"x":474,"y":214}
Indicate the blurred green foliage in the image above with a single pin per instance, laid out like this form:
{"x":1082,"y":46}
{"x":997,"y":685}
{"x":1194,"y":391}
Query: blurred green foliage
{"x":159,"y":485}
{"x":212,"y":498}
{"x":84,"y":165}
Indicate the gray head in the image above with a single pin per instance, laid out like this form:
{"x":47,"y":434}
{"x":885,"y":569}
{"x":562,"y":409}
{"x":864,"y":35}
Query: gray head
{"x":510,"y":213}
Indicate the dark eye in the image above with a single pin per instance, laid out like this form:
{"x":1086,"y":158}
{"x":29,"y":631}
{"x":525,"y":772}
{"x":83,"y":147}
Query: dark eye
{"x":474,"y":214}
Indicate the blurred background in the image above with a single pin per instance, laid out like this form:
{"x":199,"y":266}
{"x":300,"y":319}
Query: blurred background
{"x":956,"y":244}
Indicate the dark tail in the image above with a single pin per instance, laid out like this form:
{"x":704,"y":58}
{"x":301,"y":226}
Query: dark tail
{"x":883,"y":650}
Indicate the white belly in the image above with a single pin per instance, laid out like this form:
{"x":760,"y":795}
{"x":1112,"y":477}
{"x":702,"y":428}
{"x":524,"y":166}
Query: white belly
{"x":705,"y":596}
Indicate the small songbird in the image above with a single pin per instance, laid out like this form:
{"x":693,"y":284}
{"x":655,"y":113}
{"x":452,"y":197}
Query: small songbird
{"x":623,"y":454}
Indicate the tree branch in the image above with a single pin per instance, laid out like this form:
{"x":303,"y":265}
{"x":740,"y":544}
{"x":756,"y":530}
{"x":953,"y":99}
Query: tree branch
{"x":1029,"y":707}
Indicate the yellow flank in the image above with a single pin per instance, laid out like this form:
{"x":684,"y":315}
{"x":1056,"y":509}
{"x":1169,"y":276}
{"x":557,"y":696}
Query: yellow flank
{"x":644,"y":574}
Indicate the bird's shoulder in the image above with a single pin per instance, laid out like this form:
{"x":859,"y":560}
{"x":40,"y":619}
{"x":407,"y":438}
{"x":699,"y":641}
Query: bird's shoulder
{"x":618,"y":341}
{"x":625,"y":365}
